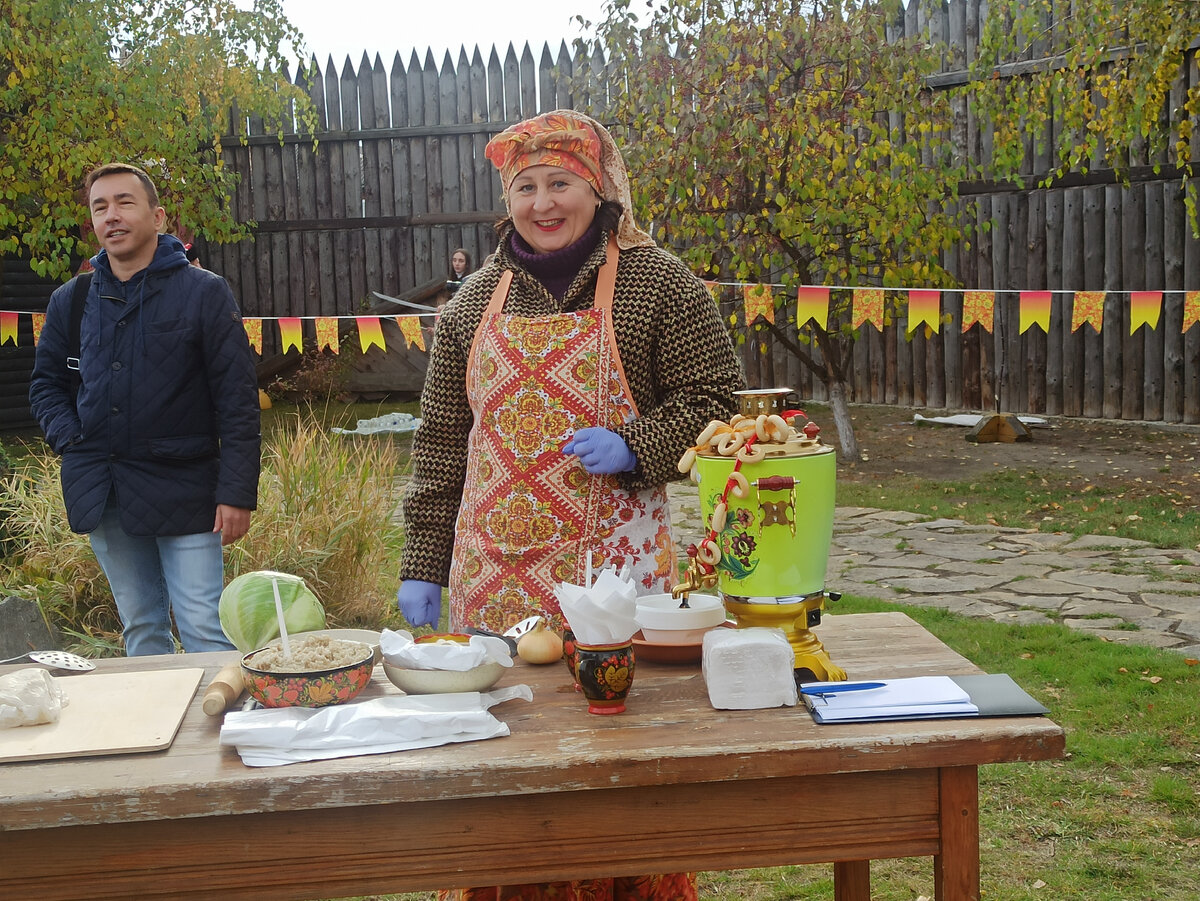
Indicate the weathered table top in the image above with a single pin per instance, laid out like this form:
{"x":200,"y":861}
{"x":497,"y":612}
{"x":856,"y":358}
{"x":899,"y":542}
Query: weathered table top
{"x":669,"y":735}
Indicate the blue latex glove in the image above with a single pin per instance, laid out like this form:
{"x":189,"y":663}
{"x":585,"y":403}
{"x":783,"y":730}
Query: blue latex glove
{"x":601,"y":451}
{"x":420,"y":602}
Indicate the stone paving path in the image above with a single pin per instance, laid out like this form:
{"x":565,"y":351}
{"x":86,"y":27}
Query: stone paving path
{"x":1118,"y":589}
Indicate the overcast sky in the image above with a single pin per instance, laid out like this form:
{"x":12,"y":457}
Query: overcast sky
{"x":344,"y":28}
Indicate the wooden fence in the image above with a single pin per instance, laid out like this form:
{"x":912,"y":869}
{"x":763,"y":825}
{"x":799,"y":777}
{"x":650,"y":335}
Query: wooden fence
{"x":397,"y":180}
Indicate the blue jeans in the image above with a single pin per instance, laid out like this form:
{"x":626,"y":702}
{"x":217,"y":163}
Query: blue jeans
{"x":151,"y":577}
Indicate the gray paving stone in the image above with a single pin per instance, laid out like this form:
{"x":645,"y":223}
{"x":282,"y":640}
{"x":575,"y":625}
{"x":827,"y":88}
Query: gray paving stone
{"x":1015,"y":600}
{"x":1109,"y":581}
{"x":1024,"y":618}
{"x":1172,"y":603}
{"x":1089,"y":607}
{"x":1106,"y":541}
{"x":946,"y":584}
{"x":961,"y":550}
{"x":1011,"y":572}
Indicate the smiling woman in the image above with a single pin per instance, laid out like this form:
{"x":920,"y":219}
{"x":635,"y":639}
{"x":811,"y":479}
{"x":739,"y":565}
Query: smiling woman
{"x":612,"y":356}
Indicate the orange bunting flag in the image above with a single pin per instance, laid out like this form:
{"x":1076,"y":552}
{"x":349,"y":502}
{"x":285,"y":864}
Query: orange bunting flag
{"x":39,"y":321}
{"x":867,"y":307}
{"x":1035,"y":310}
{"x":410,"y":328}
{"x":1191,"y":309}
{"x":8,"y":328}
{"x":978,"y":306}
{"x":291,"y":333}
{"x":370,"y":332}
{"x":924,"y":307}
{"x":1144,"y":309}
{"x":1088,"y":307}
{"x":812,"y":303}
{"x":254,"y":333}
{"x":759,"y":302}
{"x":327,"y":333}
{"x":712,"y":288}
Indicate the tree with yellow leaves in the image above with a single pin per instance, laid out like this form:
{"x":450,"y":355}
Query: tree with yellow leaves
{"x":788,"y":142}
{"x":85,"y":82}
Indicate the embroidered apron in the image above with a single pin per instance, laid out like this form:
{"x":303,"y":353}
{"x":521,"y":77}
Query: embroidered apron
{"x":529,"y":513}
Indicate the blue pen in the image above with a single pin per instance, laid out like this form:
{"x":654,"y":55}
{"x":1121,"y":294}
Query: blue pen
{"x":820,"y":691}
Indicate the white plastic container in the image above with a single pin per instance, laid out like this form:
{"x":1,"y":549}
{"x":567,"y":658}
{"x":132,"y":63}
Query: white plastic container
{"x":663,"y":621}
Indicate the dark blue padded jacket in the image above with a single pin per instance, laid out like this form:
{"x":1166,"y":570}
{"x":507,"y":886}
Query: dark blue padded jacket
{"x":167,"y":413}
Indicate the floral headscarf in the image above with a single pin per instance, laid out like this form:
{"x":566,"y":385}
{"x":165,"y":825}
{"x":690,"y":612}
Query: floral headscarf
{"x":579,"y":144}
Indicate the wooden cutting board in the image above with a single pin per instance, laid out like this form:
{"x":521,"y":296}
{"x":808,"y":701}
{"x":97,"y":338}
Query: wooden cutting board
{"x":108,"y":713}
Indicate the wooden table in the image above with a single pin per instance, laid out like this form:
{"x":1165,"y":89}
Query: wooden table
{"x":670,"y":785}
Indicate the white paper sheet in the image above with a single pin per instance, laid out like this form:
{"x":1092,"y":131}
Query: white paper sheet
{"x":276,"y":736}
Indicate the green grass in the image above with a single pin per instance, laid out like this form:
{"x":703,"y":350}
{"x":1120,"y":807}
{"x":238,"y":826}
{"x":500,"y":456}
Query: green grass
{"x":1046,"y":501}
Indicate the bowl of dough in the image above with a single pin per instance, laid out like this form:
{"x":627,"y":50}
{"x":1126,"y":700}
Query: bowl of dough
{"x":319,"y":671}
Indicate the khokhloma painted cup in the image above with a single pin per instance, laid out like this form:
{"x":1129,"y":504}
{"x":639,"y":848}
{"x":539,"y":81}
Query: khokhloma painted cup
{"x":605,"y":673}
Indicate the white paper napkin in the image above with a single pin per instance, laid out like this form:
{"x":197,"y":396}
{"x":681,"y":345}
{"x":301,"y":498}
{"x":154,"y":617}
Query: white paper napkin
{"x":277,"y":736}
{"x":604,"y":612}
{"x":400,"y":649}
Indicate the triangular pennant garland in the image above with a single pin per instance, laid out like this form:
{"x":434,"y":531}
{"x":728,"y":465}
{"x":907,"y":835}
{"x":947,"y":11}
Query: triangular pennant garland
{"x":924,"y":307}
{"x":291,"y":334}
{"x":867,"y":307}
{"x":8,"y":328}
{"x":39,"y":322}
{"x":254,"y":333}
{"x":978,"y":306}
{"x":759,"y":302}
{"x":370,"y":332}
{"x":1191,"y":309}
{"x":812,"y":304}
{"x":1144,"y":309}
{"x":1088,"y":307}
{"x":1034,"y":310}
{"x":410,"y":328}
{"x":327,"y":333}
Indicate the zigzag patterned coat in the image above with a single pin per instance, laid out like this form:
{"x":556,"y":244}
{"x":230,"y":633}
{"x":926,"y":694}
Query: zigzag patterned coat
{"x":676,"y":354}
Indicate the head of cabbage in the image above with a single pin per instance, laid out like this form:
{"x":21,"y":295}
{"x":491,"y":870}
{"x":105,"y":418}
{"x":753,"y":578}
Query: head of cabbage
{"x":247,"y":608}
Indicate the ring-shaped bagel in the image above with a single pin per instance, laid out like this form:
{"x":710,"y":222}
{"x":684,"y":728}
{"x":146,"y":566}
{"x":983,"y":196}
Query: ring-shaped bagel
{"x":778,"y":429}
{"x":687,"y":461}
{"x":709,"y":553}
{"x":753,"y":454}
{"x":760,"y":427}
{"x":741,"y":485}
{"x":709,"y":431}
{"x":730,"y":444}
{"x":720,"y":512}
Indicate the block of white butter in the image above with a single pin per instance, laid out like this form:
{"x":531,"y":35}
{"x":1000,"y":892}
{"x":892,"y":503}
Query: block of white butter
{"x":745,"y":669}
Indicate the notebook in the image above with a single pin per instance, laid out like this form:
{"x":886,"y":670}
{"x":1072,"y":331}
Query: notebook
{"x":918,"y":697}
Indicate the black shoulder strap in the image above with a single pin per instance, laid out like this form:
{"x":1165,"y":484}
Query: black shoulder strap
{"x":79,"y":294}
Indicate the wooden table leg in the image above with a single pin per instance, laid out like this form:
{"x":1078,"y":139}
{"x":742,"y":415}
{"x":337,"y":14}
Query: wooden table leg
{"x":852,"y":880}
{"x":956,"y":868}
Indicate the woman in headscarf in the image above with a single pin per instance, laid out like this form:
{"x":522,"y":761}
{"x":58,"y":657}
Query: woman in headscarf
{"x":566,"y":379}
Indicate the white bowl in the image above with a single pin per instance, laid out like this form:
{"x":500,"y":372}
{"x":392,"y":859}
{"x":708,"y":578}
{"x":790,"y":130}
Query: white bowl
{"x":442,"y":681}
{"x":663,"y":621}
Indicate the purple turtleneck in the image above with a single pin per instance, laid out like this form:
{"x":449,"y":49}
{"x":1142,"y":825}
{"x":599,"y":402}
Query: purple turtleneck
{"x":557,"y":269}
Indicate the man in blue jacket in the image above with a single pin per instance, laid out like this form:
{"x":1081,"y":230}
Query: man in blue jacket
{"x":159,"y":427}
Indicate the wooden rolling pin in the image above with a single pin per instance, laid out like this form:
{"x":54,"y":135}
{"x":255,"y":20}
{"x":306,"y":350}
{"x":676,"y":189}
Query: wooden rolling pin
{"x":225,"y":688}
